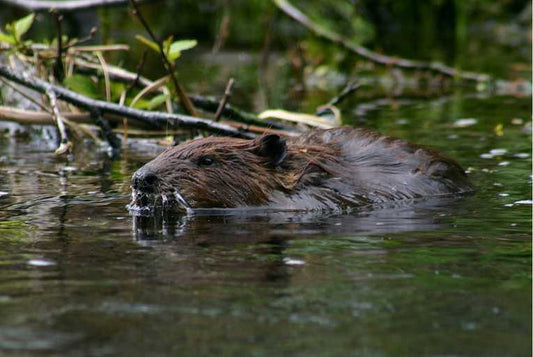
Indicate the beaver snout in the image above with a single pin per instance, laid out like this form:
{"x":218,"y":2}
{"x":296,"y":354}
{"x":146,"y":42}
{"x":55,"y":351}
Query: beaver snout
{"x":144,"y":180}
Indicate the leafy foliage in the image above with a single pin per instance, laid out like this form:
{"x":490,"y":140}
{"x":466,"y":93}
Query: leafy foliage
{"x":15,"y":30}
{"x":171,"y":49}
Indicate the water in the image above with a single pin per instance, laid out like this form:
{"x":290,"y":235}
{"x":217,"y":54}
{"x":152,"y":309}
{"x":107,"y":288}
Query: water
{"x":81,"y":277}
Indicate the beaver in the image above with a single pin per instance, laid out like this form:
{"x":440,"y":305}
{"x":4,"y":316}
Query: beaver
{"x":331,"y":169}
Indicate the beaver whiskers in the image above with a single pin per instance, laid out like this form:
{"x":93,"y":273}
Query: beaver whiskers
{"x":143,"y":203}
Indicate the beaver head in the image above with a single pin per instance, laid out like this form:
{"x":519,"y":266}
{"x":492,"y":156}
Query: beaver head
{"x":223,"y":172}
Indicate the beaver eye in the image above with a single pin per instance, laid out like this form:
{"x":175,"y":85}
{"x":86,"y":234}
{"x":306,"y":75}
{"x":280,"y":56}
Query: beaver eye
{"x":205,"y":161}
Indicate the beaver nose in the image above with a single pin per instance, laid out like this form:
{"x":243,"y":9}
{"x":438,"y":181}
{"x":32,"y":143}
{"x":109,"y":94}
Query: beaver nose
{"x":144,"y":180}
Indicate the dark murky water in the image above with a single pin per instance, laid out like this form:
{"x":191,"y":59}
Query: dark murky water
{"x":80,"y":277}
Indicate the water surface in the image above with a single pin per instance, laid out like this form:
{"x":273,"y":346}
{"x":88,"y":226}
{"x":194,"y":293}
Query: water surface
{"x":81,"y":277}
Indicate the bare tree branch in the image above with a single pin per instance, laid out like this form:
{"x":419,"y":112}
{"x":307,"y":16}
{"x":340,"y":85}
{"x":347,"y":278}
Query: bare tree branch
{"x":320,"y":31}
{"x":38,"y":5}
{"x":157,"y":119}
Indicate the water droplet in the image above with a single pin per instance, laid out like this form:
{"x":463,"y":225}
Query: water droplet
{"x":522,"y":155}
{"x":524,"y":202}
{"x":69,"y":168}
{"x":41,"y":262}
{"x":486,"y":156}
{"x":498,"y":152}
{"x":503,"y":194}
{"x":3,"y":193}
{"x":462,"y":123}
{"x":290,"y":261}
{"x":504,"y":163}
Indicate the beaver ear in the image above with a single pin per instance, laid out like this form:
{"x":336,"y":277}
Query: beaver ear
{"x":273,"y":147}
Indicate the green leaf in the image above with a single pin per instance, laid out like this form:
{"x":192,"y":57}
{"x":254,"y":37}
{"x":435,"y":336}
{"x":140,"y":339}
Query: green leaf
{"x":116,"y":90}
{"x":7,"y":38}
{"x":156,"y":101}
{"x":166,"y":44}
{"x":176,"y":47}
{"x":141,"y":104}
{"x":147,"y":42}
{"x":82,"y":84}
{"x":23,"y":25}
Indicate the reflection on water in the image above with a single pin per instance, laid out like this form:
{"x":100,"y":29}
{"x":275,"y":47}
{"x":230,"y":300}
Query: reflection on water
{"x":81,"y":277}
{"x":395,"y":217}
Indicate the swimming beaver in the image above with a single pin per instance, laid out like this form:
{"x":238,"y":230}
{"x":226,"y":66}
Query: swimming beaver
{"x":323,"y":169}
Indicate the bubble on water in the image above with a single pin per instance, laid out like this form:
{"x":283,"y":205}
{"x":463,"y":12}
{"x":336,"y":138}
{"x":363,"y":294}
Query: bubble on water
{"x":504,"y":163}
{"x":41,"y":262}
{"x":503,"y":194}
{"x":522,"y":155}
{"x":69,"y":168}
{"x":462,"y":123}
{"x":469,"y":326}
{"x":497,"y":184}
{"x":290,"y":261}
{"x":524,"y":202}
{"x":498,"y":152}
{"x":486,"y":156}
{"x":3,"y":193}
{"x":508,"y":205}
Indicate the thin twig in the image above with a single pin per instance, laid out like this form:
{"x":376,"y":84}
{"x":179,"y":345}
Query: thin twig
{"x":224,"y":100}
{"x":102,"y":48}
{"x":184,"y":99}
{"x":349,"y":89}
{"x":87,"y":38}
{"x":106,"y":75}
{"x":139,"y":70}
{"x":65,"y":145}
{"x":320,"y":31}
{"x":58,"y":69}
{"x":152,"y":87}
{"x":40,"y":105}
{"x":223,"y":31}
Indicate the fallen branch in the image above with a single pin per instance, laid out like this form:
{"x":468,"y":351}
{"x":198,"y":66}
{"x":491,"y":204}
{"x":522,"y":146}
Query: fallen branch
{"x":38,"y":5}
{"x":320,"y":31}
{"x":157,"y":119}
{"x":32,"y":117}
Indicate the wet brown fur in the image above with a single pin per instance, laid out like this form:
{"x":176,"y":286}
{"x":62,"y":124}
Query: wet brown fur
{"x":322,"y":169}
